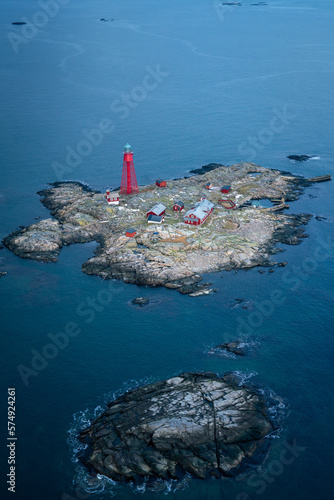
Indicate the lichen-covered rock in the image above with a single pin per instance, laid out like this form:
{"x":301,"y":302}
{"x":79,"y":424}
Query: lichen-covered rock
{"x":197,"y":423}
{"x":41,"y":241}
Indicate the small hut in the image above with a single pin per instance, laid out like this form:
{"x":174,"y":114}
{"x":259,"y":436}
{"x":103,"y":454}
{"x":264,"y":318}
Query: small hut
{"x":131,"y":233}
{"x":160,"y":183}
{"x":226,"y":189}
{"x":158,"y":209}
{"x":178,"y":206}
{"x":112,"y":197}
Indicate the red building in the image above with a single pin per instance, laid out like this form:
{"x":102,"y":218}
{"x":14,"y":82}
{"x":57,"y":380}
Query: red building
{"x":158,"y":209}
{"x":226,"y":189}
{"x":178,"y":206}
{"x":208,"y":185}
{"x":199,"y":213}
{"x":130,"y":233}
{"x":160,"y":183}
{"x":112,"y":198}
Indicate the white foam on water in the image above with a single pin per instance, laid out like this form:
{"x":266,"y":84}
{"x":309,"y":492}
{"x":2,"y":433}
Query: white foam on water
{"x":85,"y":483}
{"x":249,"y":343}
{"x":243,"y":377}
{"x":223,"y":353}
{"x":141,"y":488}
{"x":278,"y":409}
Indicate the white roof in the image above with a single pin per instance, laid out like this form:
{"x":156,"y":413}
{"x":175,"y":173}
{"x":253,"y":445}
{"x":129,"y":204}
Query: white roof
{"x":198,"y":212}
{"x":157,"y":209}
{"x":201,"y":209}
{"x":205,"y":205}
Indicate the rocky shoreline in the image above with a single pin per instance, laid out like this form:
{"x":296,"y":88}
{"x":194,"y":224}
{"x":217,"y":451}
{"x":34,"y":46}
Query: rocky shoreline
{"x":172,"y":254}
{"x":196,"y":423}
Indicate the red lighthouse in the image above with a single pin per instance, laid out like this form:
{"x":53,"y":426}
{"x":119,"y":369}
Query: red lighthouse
{"x":129,"y":182}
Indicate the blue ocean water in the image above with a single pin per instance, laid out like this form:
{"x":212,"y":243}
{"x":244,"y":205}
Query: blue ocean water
{"x":186,"y":83}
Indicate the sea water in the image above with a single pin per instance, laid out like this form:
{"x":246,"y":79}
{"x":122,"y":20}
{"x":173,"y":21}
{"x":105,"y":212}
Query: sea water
{"x":185,"y":83}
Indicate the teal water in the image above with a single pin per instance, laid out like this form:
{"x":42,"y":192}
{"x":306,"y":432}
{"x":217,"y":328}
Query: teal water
{"x":231,"y":71}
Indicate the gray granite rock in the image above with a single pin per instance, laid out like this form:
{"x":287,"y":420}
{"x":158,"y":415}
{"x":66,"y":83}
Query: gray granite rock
{"x":197,"y":423}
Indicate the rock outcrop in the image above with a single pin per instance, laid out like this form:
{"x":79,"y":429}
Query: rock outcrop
{"x":235,"y":347}
{"x":197,"y":423}
{"x":140,"y":301}
{"x":41,"y":241}
{"x":299,"y":157}
{"x":172,"y":254}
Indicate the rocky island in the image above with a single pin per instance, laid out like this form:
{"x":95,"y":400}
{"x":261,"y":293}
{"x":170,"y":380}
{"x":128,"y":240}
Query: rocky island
{"x":196,"y":423}
{"x":172,"y":254}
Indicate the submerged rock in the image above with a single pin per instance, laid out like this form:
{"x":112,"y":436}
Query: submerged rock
{"x":299,"y":157}
{"x":195,"y":290}
{"x":140,"y":301}
{"x":235,"y":347}
{"x":200,"y":424}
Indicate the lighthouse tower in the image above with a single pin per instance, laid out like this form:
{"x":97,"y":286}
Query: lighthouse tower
{"x":129,"y":182}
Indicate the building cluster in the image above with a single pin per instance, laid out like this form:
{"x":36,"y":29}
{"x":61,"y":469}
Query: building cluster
{"x":195,"y":216}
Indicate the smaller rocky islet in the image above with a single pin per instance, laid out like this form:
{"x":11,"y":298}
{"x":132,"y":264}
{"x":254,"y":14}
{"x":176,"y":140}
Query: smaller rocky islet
{"x":299,"y":157}
{"x":196,"y":423}
{"x":236,"y":347}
